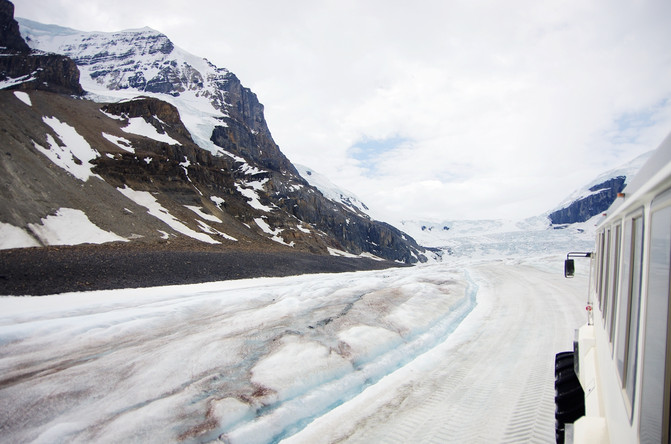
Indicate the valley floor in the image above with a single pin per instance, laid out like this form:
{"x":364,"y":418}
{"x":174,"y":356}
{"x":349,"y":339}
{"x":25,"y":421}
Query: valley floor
{"x":52,"y":270}
{"x":439,"y":353}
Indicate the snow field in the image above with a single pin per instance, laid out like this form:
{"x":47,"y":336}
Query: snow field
{"x":70,"y":227}
{"x":15,"y":237}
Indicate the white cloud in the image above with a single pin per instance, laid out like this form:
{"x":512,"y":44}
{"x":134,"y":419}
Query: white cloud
{"x":504,"y":107}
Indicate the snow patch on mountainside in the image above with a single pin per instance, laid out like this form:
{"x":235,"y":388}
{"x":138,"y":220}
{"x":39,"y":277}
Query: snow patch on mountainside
{"x":250,"y":191}
{"x":154,"y":208}
{"x":24,"y":97}
{"x":75,"y":156}
{"x":70,"y":226}
{"x":137,"y":125}
{"x":274,"y":232}
{"x":332,"y":191}
{"x":122,"y":143}
{"x":14,"y":237}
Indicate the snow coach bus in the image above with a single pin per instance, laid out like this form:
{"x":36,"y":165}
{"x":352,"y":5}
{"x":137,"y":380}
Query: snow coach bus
{"x":615,"y":386}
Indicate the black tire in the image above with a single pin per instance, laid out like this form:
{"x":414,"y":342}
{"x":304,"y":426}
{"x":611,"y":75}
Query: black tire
{"x":569,"y":394}
{"x":571,"y":415}
{"x":562,"y":355}
{"x":564,"y":377}
{"x":564,"y":363}
{"x":569,"y":397}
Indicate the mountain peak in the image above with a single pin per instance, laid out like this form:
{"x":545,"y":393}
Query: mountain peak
{"x":179,"y":147}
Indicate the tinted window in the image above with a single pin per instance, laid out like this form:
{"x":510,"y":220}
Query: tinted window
{"x":613,"y":274}
{"x":625,"y":300}
{"x":604,"y":275}
{"x":600,"y":258}
{"x":634,"y":311}
{"x":654,"y":353}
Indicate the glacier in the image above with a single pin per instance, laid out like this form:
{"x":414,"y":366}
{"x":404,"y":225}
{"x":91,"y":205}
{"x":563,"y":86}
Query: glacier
{"x":312,"y":358}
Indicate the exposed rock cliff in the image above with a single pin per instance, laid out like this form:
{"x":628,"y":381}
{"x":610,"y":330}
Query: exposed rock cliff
{"x":22,"y":69}
{"x":600,"y":198}
{"x":10,"y":37}
{"x":46,"y":72}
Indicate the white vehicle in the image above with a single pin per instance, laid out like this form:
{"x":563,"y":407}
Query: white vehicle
{"x":622,"y":356}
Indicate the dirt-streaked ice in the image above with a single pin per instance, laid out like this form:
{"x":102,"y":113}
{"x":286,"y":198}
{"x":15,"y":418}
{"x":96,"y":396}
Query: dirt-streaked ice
{"x":285,"y":358}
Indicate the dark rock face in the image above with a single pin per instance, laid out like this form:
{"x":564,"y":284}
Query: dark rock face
{"x":246,"y":132}
{"x":50,"y":72}
{"x":604,"y":194}
{"x":161,"y":115}
{"x":10,"y":37}
{"x":238,"y":139}
{"x":31,"y":71}
{"x":353,"y":233}
{"x":294,"y":200}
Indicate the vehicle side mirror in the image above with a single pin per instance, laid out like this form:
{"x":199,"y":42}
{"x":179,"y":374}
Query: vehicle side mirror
{"x":569,"y":268}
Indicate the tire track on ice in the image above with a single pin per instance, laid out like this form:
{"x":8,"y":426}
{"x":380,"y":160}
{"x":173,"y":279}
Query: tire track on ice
{"x":533,"y":420}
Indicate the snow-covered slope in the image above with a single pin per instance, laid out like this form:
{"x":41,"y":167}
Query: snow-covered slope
{"x":331,"y":190}
{"x":141,"y":61}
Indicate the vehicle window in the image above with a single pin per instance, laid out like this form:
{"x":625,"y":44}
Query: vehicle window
{"x":604,"y":277}
{"x":654,"y":406}
{"x":634,"y":311}
{"x":613,"y":285}
{"x":600,"y":260}
{"x":625,"y":299}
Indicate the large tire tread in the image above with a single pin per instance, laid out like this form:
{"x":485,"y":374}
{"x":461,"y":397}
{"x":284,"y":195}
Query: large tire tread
{"x":563,"y":364}
{"x":569,"y":394}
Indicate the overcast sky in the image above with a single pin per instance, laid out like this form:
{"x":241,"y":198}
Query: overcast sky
{"x":437,"y":109}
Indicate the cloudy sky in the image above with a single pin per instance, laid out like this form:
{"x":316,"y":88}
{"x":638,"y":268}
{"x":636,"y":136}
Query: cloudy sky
{"x":431,"y":109}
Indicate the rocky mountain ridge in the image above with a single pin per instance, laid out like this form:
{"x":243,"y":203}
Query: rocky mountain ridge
{"x":172,"y":151}
{"x":596,"y":197}
{"x":601,"y":196}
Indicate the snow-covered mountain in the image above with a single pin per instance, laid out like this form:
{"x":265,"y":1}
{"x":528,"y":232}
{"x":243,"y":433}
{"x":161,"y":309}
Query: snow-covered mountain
{"x":121,"y":65}
{"x":331,"y":190}
{"x":177,"y":146}
{"x":595,"y":197}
